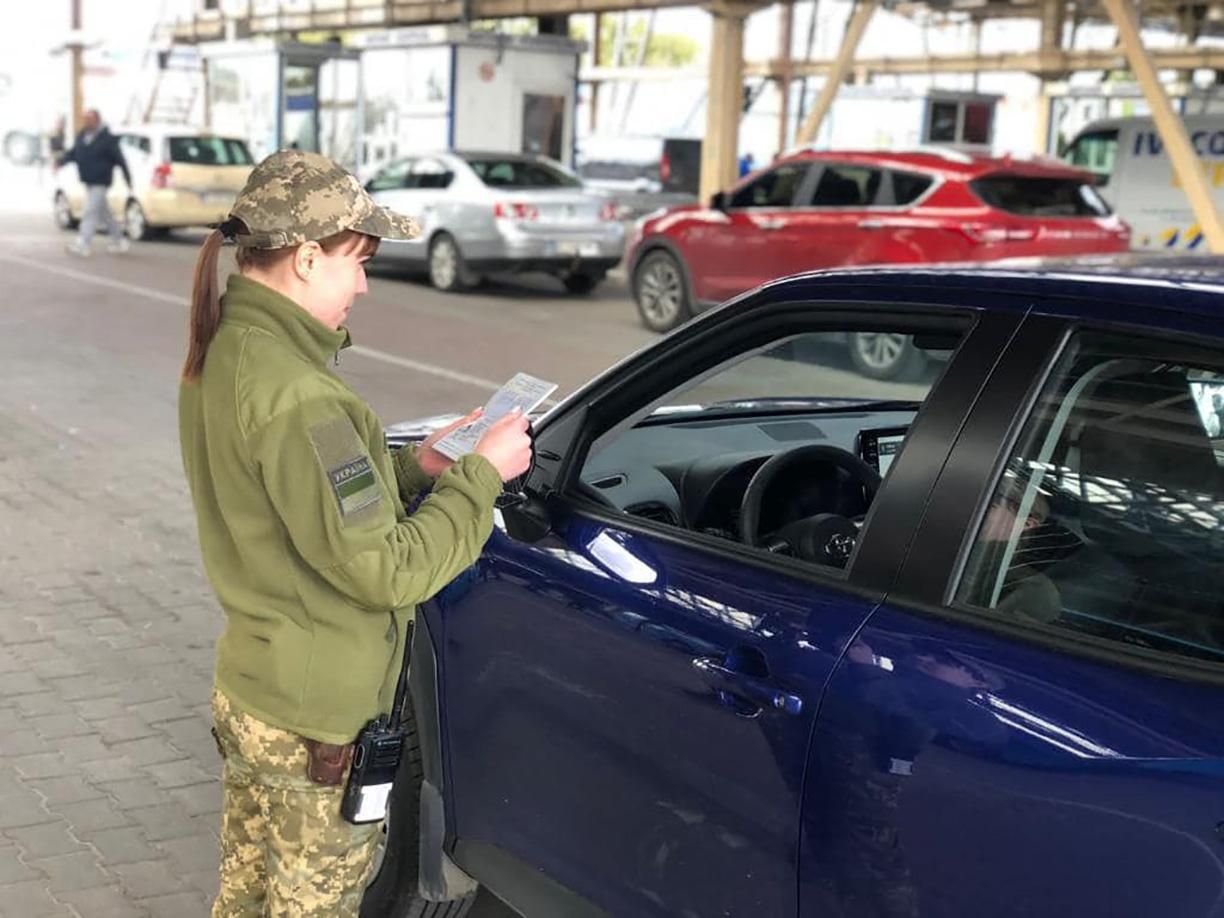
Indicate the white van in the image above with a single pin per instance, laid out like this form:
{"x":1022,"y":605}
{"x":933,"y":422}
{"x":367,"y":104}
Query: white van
{"x":1135,"y":176}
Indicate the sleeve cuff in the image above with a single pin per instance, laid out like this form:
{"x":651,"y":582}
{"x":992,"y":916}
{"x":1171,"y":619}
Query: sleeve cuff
{"x":412,"y":478}
{"x":481,"y":472}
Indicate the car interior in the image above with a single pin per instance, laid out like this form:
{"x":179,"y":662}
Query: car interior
{"x":790,"y":474}
{"x":1136,"y":497}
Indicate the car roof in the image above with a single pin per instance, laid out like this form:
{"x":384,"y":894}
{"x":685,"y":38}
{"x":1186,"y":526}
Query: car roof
{"x":947,"y":162}
{"x":1191,"y":285}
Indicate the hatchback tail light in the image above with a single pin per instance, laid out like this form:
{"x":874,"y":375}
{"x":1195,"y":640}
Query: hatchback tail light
{"x":515,"y":210}
{"x":609,"y":212}
{"x":161,"y":176}
{"x":985,"y":233}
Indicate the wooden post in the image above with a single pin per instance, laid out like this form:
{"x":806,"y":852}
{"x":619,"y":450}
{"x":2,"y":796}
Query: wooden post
{"x":785,"y":54}
{"x":1172,"y":129}
{"x":77,"y":51}
{"x":837,"y":74}
{"x":725,"y":100}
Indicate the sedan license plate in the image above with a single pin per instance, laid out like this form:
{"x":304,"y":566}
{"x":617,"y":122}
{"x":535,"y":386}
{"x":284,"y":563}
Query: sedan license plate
{"x":581,"y":249}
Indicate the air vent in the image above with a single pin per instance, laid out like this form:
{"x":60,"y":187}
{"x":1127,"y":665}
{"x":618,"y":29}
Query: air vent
{"x":612,"y":481}
{"x":790,"y":431}
{"x":656,"y":512}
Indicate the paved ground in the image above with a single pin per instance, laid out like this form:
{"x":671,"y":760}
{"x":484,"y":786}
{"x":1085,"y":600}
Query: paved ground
{"x":108,"y":776}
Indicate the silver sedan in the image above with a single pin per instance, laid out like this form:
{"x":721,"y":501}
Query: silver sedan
{"x":482,"y":213}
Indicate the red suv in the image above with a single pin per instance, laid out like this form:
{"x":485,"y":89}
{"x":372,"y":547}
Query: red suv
{"x":831,"y":209}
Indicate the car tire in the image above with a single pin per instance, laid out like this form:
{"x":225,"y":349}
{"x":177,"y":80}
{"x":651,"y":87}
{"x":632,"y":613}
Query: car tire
{"x":660,"y":292}
{"x":885,"y":356}
{"x":392,"y":893}
{"x":582,"y":284}
{"x":134,"y":222}
{"x":447,"y":272}
{"x":63,"y":213}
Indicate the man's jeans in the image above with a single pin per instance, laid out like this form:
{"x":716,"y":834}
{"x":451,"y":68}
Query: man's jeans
{"x":97,"y":212}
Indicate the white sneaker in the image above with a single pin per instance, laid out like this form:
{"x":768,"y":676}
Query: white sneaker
{"x":75,"y":248}
{"x":120,"y":247}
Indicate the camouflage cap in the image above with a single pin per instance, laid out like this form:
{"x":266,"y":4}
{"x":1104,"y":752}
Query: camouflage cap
{"x":294,"y":197}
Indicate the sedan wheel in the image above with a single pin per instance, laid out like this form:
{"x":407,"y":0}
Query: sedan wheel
{"x":63,"y":213}
{"x":446,"y":269}
{"x":885,"y":356}
{"x":659,"y":289}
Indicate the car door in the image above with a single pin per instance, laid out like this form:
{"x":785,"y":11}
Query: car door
{"x":1030,"y":724}
{"x":735,"y":249}
{"x":628,"y":700}
{"x":136,"y":150}
{"x":395,"y":186}
{"x":824,"y":231}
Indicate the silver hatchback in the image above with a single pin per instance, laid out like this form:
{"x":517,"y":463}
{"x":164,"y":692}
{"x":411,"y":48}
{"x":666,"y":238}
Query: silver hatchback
{"x":482,"y":213}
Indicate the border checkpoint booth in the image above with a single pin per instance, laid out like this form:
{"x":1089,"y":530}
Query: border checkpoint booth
{"x":392,"y":93}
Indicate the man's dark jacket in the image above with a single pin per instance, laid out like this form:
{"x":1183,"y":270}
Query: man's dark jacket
{"x":97,"y":160}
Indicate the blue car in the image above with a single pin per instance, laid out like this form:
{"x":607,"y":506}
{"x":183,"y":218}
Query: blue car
{"x":762,"y":636}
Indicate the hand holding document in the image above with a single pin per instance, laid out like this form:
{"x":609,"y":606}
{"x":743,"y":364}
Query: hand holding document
{"x":523,"y":392}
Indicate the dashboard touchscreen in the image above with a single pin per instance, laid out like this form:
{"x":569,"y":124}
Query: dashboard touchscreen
{"x":878,"y":448}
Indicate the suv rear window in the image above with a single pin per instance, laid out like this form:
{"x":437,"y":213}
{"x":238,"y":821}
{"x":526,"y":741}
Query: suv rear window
{"x":209,"y":151}
{"x":1037,"y":196}
{"x":521,"y":173}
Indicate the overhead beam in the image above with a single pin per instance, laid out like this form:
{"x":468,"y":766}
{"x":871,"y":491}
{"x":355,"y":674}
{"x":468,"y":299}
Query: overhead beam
{"x":1172,"y":129}
{"x":1026,"y":62}
{"x":836,"y":75}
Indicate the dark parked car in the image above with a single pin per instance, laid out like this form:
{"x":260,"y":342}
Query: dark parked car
{"x":768,"y":637}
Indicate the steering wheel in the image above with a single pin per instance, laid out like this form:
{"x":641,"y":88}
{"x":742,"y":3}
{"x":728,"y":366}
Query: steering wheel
{"x":825,"y":538}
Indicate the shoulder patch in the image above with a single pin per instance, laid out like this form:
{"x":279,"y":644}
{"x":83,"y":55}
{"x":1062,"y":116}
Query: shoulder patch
{"x":355,"y":485}
{"x":350,"y":472}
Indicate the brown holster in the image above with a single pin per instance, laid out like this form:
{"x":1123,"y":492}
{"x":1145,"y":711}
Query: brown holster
{"x":326,"y":762}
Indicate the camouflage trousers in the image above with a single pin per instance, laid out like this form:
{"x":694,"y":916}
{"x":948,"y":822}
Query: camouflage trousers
{"x":285,"y":850}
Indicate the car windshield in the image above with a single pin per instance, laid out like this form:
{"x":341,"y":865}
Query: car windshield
{"x":504,"y":172}
{"x":210,"y":151}
{"x":1039,"y":196}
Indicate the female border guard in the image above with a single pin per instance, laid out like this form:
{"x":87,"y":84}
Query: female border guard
{"x":303,"y":529}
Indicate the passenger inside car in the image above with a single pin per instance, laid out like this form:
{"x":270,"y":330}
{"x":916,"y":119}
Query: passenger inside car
{"x":1025,"y":590}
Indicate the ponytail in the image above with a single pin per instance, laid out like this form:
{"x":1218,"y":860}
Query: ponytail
{"x":205,"y":307}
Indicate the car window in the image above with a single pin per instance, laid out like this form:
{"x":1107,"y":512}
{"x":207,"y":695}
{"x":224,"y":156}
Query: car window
{"x":847,"y":186}
{"x":1038,"y":196}
{"x":130,"y":142}
{"x":429,"y":173}
{"x":687,"y":459}
{"x":391,"y":178}
{"x":210,"y":151}
{"x":776,"y":188}
{"x":521,"y":173}
{"x":1095,"y":152}
{"x":908,"y":187}
{"x":1109,"y":517}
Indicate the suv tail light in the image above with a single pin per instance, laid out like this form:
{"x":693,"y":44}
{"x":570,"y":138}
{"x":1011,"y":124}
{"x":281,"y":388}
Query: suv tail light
{"x":515,"y":210}
{"x":665,"y":167}
{"x":609,"y":212}
{"x":986,"y":233}
{"x":161,"y":176}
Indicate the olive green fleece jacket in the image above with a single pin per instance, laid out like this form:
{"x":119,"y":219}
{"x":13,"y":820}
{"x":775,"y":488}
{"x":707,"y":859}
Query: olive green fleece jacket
{"x":302,"y":524}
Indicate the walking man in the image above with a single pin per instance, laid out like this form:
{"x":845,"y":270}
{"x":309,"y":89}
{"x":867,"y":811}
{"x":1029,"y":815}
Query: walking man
{"x":96,"y":154}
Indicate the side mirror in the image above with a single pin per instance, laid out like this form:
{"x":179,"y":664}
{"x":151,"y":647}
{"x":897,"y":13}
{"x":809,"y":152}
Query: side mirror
{"x":526,"y":516}
{"x":719,"y":201}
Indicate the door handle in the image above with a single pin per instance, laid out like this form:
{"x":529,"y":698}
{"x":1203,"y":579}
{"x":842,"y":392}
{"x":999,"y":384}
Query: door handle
{"x":770,"y":224}
{"x":756,"y":689}
{"x":871,"y":224}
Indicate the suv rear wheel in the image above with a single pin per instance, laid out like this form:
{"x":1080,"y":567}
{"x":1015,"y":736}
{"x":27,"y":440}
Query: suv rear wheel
{"x":659,"y":289}
{"x":886,"y":356}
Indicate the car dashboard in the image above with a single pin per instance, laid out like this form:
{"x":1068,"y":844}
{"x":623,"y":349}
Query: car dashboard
{"x":693,"y":471}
